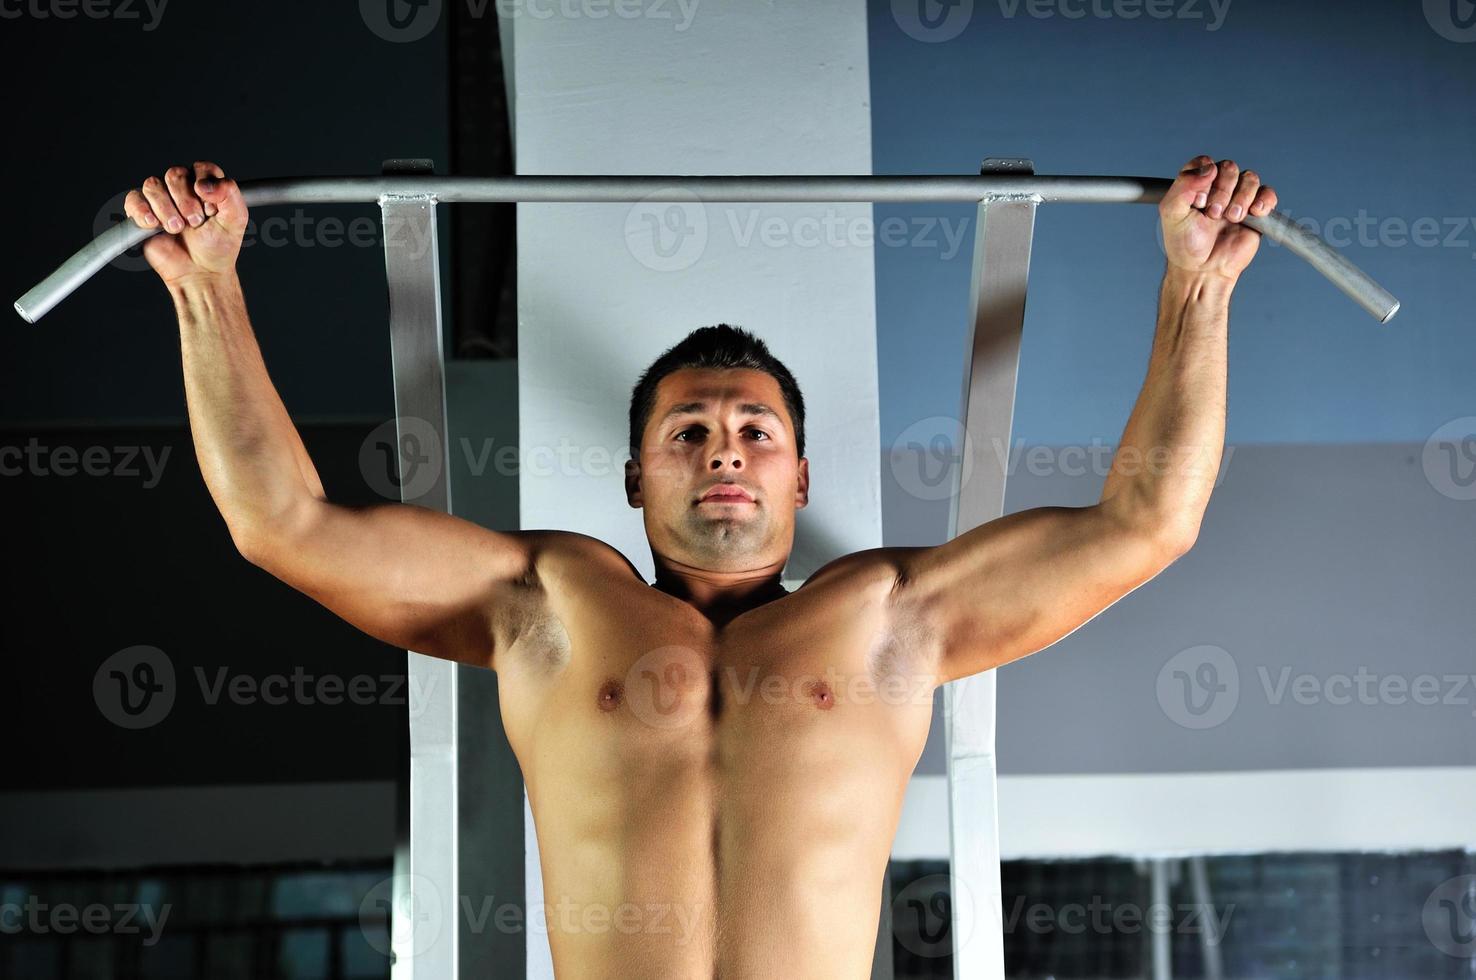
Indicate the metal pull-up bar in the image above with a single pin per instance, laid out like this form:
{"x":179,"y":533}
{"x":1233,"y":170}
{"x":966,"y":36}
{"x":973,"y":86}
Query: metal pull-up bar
{"x":746,"y":189}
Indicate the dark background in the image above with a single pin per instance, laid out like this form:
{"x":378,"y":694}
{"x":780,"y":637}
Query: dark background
{"x":107,"y":562}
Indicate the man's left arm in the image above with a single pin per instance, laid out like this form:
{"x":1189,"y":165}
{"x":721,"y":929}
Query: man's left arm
{"x":1018,"y":584}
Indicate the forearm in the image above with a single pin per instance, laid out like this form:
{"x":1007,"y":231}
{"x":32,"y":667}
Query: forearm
{"x":1169,"y":455}
{"x":250,"y":454}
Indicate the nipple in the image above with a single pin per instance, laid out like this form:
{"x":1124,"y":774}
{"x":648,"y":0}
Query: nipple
{"x":821,"y":695}
{"x":612,"y":693}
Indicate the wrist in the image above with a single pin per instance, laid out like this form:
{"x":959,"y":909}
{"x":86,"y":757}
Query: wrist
{"x":197,"y":282}
{"x":202,"y":284}
{"x":1198,"y":285}
{"x":204,"y":294}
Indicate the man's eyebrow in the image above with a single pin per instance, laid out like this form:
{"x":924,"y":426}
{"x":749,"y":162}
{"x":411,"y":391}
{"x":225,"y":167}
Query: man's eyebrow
{"x":747,"y":408}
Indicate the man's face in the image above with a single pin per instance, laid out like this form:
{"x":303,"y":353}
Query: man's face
{"x":712,"y":427}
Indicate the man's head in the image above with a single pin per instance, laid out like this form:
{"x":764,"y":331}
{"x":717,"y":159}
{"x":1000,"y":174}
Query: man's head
{"x":718,"y":408}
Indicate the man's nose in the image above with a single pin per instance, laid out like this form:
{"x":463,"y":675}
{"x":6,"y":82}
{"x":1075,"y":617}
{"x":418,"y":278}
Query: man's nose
{"x":726,"y":452}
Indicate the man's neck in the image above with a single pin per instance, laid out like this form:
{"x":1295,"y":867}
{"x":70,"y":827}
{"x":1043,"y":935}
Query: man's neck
{"x":721,"y":597}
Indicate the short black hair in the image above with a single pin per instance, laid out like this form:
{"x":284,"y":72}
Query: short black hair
{"x":719,"y":346}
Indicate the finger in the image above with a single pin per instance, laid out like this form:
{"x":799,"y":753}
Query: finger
{"x":222,"y":196}
{"x":1265,"y":201}
{"x":136,"y":206}
{"x":1224,"y":186}
{"x":1188,"y":187}
{"x":158,"y":197}
{"x":177,"y":179}
{"x":205,"y":170}
{"x":1245,"y":193}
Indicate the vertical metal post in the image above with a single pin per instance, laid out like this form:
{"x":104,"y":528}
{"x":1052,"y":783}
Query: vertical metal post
{"x":458,"y":859}
{"x":1209,"y":933}
{"x":423,"y":942}
{"x":1162,"y":949}
{"x":1002,"y":240}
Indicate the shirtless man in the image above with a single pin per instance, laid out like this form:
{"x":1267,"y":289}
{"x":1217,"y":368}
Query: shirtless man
{"x":715,"y":765}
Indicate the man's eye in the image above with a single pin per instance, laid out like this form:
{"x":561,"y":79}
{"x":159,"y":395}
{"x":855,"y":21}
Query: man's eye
{"x":698,"y":428}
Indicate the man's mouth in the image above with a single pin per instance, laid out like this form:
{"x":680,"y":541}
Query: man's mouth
{"x":728,"y":494}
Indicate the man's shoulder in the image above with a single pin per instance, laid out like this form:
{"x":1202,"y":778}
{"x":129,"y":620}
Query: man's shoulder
{"x":552,"y":549}
{"x":881,"y":565}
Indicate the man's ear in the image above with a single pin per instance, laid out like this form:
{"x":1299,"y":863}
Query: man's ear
{"x":633,"y":483}
{"x":802,"y":492}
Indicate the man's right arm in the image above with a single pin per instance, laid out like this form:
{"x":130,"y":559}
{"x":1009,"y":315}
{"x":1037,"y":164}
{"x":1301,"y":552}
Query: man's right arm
{"x":412,"y":577}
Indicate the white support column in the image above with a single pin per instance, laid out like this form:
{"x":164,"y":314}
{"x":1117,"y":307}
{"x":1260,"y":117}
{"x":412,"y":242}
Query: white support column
{"x":1002,"y":242}
{"x":454,"y":820}
{"x":425,"y":855}
{"x":719,"y":87}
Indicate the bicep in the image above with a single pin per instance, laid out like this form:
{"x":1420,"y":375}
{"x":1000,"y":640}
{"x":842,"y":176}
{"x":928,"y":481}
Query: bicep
{"x":1017,"y":584}
{"x":412,"y":577}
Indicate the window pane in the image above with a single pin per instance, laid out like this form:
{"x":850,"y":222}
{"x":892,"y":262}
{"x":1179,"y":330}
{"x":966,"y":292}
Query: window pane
{"x":303,"y":954}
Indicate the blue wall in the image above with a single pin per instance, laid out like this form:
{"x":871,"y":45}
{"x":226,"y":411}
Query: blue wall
{"x":1345,"y":108}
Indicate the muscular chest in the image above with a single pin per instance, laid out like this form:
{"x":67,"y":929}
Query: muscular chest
{"x":633,"y":683}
